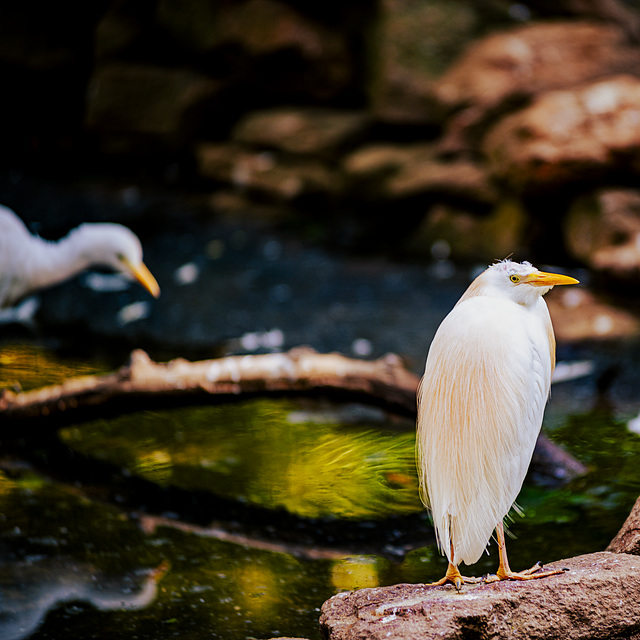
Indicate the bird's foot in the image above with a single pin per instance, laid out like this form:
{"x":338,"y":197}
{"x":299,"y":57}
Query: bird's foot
{"x":529,"y":574}
{"x":453,"y":576}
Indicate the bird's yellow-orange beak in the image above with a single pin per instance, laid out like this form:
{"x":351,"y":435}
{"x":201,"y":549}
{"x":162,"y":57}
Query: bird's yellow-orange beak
{"x":544,"y":279}
{"x":144,"y":277}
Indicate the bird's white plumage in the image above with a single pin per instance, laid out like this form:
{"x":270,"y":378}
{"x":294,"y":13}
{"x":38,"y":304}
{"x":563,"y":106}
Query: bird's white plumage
{"x":29,"y":263}
{"x":480,"y":406}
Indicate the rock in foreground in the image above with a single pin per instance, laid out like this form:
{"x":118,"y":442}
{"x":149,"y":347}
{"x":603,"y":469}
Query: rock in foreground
{"x":596,"y":598}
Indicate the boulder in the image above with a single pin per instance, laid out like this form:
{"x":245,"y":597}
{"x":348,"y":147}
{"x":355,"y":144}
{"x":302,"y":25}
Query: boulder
{"x":602,"y":229}
{"x":260,"y":26}
{"x":612,"y":11}
{"x":628,"y":538}
{"x":271,"y":43}
{"x":319,"y":132}
{"x":504,"y":70}
{"x":120,"y":29}
{"x":596,"y":598}
{"x":578,"y":315}
{"x":469,"y":236}
{"x":146,"y":101}
{"x":265,"y":172}
{"x":415,"y":41}
{"x":568,"y":136}
{"x":406,"y":171}
{"x":373,"y":161}
{"x":458,"y":179}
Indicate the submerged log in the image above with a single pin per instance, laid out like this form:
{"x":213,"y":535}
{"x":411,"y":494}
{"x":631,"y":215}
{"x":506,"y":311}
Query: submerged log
{"x":150,"y":523}
{"x":595,"y":598}
{"x":144,"y":384}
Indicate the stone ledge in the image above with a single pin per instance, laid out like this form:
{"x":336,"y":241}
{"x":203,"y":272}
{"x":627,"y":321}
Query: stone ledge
{"x":597,"y":598}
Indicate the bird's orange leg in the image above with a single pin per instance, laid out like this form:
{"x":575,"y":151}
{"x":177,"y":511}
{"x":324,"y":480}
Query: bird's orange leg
{"x":504,"y":570}
{"x":453,"y":576}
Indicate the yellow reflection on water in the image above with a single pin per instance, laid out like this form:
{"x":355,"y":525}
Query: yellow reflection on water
{"x":357,"y":572}
{"x":27,"y":366}
{"x":7,"y":485}
{"x":155,"y":465}
{"x":257,"y":589}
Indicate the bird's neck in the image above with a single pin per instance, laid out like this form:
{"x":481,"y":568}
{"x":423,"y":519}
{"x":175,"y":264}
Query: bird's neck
{"x":52,"y":262}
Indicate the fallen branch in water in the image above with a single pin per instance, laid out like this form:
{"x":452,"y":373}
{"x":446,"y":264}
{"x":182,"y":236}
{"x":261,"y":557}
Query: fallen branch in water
{"x":384,"y":382}
{"x":144,"y":384}
{"x":150,"y":523}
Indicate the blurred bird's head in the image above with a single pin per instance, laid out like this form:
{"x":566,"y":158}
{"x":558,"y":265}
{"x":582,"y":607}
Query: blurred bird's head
{"x":117,"y":247}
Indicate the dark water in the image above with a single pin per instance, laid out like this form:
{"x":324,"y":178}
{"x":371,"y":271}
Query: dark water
{"x":324,"y":497}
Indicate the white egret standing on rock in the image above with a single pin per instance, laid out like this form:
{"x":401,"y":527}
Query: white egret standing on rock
{"x":480,"y":407}
{"x":29,"y":263}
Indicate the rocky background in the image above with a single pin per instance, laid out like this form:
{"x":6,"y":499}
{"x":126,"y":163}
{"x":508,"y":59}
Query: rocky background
{"x":467,"y":129}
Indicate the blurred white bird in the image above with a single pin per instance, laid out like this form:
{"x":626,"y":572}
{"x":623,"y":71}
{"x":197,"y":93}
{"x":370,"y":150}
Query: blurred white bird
{"x":480,"y":408}
{"x":29,"y":263}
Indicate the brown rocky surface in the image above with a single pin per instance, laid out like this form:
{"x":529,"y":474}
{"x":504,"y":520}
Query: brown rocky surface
{"x":301,"y":131}
{"x":260,"y":25}
{"x":540,"y":56}
{"x":569,"y":135}
{"x":265,"y":172}
{"x":505,"y":69}
{"x":307,"y":53}
{"x":459,"y":178}
{"x":611,"y":11}
{"x":415,"y":42}
{"x":468,"y":236}
{"x":375,"y":160}
{"x":628,"y":538}
{"x":596,"y":598}
{"x":144,"y":100}
{"x":602,"y":229}
{"x":402,"y":171}
{"x":578,"y":314}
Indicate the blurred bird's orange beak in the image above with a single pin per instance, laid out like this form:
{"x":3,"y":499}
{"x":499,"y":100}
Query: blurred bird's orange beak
{"x":144,"y":277}
{"x":544,"y":279}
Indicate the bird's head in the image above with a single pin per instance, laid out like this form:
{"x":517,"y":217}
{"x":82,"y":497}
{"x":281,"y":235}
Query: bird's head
{"x":521,"y":281}
{"x":117,"y":247}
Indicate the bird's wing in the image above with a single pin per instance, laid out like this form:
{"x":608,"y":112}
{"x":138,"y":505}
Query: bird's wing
{"x":481,"y":403}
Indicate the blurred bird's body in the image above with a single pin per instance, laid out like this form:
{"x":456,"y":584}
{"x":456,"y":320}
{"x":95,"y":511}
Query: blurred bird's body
{"x":29,"y":263}
{"x":480,"y":406}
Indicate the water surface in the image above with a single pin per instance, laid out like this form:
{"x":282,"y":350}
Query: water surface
{"x":325,"y":500}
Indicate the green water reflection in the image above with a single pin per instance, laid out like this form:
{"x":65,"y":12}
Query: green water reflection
{"x":263,"y":453}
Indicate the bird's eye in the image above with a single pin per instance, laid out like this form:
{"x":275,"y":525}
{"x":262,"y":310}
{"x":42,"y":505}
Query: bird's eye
{"x":514,"y":278}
